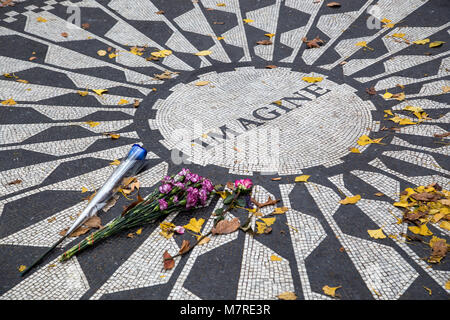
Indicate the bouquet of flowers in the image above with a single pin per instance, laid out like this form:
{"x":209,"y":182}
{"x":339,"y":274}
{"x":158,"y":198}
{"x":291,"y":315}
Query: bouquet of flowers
{"x":183,"y":191}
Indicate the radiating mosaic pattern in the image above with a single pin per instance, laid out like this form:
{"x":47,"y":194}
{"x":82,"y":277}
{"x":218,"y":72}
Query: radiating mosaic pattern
{"x":243,"y":120}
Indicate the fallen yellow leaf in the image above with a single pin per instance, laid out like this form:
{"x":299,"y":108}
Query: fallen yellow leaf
{"x":123,"y":101}
{"x":302,"y":178}
{"x":101,"y":53}
{"x":287,"y":296}
{"x":139,"y":231}
{"x":398,"y":35}
{"x":22,"y":267}
{"x":312,"y":79}
{"x":201,"y":83}
{"x":275,"y":258}
{"x":330,"y":291}
{"x":115,"y":162}
{"x":413,"y":109}
{"x":161,"y":53}
{"x":83,"y":93}
{"x":9,"y":102}
{"x":280,"y":210}
{"x":195,"y":225}
{"x":268,"y":221}
{"x":387,"y":95}
{"x":402,"y":121}
{"x":436,"y":44}
{"x":365,"y":140}
{"x":40,"y":19}
{"x":355,"y":150}
{"x":270,"y":35}
{"x":100,"y":91}
{"x":351,"y":200}
{"x":203,"y":53}
{"x":92,"y":124}
{"x":424,"y":41}
{"x":422,"y":230}
{"x":445,"y":225}
{"x":377,"y":234}
{"x":83,"y":189}
{"x":248,"y":20}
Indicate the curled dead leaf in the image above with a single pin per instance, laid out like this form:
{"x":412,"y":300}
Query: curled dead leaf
{"x":264,"y":42}
{"x":184,"y":247}
{"x":226,"y":226}
{"x":169,"y":263}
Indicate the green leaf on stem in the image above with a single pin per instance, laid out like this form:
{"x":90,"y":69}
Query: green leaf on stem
{"x":228,"y":199}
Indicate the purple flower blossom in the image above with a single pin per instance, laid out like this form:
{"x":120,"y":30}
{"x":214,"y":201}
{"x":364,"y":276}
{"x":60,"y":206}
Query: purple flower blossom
{"x":192,"y":197}
{"x":162,"y":204}
{"x":193,"y":177}
{"x":175,"y":199}
{"x":165,"y":188}
{"x":180,"y":185}
{"x":203,"y":195}
{"x":184,"y":172}
{"x":207,"y":185}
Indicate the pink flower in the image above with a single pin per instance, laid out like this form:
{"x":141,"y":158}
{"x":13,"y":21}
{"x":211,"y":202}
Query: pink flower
{"x":243,"y":184}
{"x":165,"y":188}
{"x":193,"y":177}
{"x":203,"y":195}
{"x":162,"y":204}
{"x":207,"y":185}
{"x":192,"y":197}
{"x":179,"y":229}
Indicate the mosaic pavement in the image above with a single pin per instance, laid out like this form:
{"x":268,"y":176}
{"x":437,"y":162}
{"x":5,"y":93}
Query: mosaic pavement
{"x":248,"y":121}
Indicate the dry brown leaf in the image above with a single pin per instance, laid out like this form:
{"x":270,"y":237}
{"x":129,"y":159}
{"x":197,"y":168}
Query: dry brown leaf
{"x":132,"y":205}
{"x":93,"y":222}
{"x":65,"y":34}
{"x":379,"y":194}
{"x":184,"y":246}
{"x":85,"y":26}
{"x":77,"y":232}
{"x":230,"y":185}
{"x":17,"y":181}
{"x":264,"y":42}
{"x":160,"y":12}
{"x":333,"y":4}
{"x":169,"y":263}
{"x":442,"y":135}
{"x":371,"y":91}
{"x":269,"y":202}
{"x":425,"y":196}
{"x":165,"y":75}
{"x":136,"y":103}
{"x":226,"y":226}
{"x":314,"y":43}
{"x":271,"y":66}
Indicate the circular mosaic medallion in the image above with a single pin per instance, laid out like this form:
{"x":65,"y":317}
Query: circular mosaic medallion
{"x":353,"y":99}
{"x":265,"y":120}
